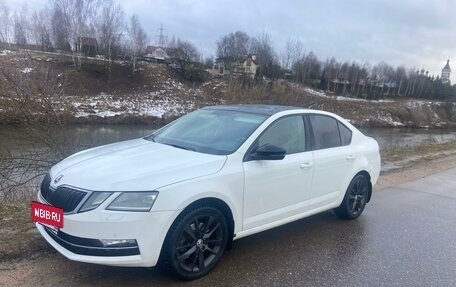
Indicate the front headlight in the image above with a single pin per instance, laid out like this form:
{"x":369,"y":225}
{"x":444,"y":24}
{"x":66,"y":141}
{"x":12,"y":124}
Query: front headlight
{"x":95,"y":200}
{"x":134,"y":201}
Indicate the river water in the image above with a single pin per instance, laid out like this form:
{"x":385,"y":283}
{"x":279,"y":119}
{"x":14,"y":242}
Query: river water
{"x":404,"y":137}
{"x":14,"y":138}
{"x":17,"y":141}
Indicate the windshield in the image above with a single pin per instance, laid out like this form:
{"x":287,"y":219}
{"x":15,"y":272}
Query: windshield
{"x":212,"y":131}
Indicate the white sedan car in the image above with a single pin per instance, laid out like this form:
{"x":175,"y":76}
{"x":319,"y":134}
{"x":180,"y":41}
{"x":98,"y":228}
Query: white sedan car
{"x":180,"y":196}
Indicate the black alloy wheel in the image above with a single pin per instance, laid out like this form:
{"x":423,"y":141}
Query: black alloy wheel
{"x":355,"y":198}
{"x":197,"y":242}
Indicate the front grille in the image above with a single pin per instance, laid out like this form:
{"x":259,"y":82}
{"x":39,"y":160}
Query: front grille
{"x":88,"y":246}
{"x":45,"y":185}
{"x":63,"y":197}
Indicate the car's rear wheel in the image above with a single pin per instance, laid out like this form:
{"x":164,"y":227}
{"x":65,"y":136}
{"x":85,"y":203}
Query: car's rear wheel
{"x":196,"y":242}
{"x":355,"y":198}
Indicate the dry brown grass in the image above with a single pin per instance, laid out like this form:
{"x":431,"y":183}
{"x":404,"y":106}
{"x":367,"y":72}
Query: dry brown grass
{"x":18,"y":235}
{"x":424,"y":151}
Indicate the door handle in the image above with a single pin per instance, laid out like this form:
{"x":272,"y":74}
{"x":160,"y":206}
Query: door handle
{"x":351,"y":157}
{"x":305,"y":165}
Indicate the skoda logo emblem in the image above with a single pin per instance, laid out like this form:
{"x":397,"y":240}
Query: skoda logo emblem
{"x":58,"y":178}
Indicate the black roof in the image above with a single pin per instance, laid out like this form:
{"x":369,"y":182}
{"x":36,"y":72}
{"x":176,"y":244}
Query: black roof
{"x":267,"y":110}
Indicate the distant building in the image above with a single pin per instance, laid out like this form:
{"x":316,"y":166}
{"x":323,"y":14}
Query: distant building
{"x":174,"y":57}
{"x":445,"y":78}
{"x":246,"y":66}
{"x":157,"y":54}
{"x":249,"y":65}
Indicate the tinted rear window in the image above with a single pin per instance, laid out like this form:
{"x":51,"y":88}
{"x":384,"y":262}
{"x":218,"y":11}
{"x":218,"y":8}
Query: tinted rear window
{"x":325,"y":130}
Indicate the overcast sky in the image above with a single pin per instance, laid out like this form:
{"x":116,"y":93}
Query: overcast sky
{"x":413,"y":33}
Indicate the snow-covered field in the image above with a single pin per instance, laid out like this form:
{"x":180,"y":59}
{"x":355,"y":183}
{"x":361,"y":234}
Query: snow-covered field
{"x":172,"y":98}
{"x":154,"y":104}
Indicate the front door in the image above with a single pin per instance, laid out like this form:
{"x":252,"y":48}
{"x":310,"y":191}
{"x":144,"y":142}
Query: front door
{"x":276,"y":189}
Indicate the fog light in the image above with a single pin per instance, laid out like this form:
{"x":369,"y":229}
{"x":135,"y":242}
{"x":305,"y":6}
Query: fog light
{"x":119,"y":242}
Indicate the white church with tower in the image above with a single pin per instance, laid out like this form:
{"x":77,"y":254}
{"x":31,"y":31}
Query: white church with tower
{"x":445,"y":78}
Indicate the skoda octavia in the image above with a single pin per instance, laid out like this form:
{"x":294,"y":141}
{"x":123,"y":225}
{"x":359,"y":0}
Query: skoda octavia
{"x":180,"y":196}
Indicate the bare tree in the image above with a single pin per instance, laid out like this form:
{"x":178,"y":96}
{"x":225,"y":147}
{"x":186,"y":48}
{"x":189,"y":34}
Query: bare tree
{"x":83,"y":18}
{"x":189,"y":59}
{"x":401,"y":77}
{"x":42,"y":29}
{"x":185,"y":51}
{"x":330,"y":72}
{"x":78,"y":16}
{"x":209,"y":62}
{"x":5,"y":22}
{"x":21,"y":26}
{"x":137,"y":39}
{"x":36,"y":100}
{"x":110,"y":26}
{"x":20,"y":37}
{"x":234,"y":46}
{"x":266,"y":55}
{"x":292,"y":53}
{"x":60,"y":23}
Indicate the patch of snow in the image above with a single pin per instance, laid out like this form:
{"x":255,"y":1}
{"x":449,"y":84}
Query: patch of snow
{"x":342,"y":98}
{"x":26,"y":70}
{"x":155,"y":104}
{"x":322,"y":94}
{"x":107,"y":114}
{"x":419,"y":103}
{"x":81,"y":114}
{"x":316,"y":93}
{"x":390,"y":121}
{"x":5,"y":52}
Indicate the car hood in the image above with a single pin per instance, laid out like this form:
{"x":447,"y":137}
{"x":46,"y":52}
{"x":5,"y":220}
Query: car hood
{"x":135,"y":165}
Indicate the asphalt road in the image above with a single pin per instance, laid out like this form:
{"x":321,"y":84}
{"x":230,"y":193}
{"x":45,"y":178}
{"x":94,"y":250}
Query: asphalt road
{"x":405,"y":237}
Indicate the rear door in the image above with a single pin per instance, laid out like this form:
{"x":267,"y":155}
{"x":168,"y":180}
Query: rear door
{"x":333,"y":159}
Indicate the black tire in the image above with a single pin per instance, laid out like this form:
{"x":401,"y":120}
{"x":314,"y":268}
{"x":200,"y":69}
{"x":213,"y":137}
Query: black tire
{"x":196,"y":242}
{"x":355,"y":198}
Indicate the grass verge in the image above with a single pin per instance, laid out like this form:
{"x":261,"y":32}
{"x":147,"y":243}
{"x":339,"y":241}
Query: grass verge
{"x":18,"y":236}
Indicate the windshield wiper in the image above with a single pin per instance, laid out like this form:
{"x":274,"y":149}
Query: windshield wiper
{"x":150,"y":138}
{"x":181,"y":147}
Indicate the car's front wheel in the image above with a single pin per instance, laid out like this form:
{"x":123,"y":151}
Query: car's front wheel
{"x":196,"y":242}
{"x":355,"y":198}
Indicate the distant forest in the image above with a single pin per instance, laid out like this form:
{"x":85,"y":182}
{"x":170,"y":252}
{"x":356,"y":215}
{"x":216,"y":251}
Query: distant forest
{"x":66,"y":25}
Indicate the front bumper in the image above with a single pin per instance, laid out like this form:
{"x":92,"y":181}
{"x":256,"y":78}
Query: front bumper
{"x":90,"y":246}
{"x":77,"y":240}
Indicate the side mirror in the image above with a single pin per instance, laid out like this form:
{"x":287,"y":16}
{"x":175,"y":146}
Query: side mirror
{"x":268,"y":152}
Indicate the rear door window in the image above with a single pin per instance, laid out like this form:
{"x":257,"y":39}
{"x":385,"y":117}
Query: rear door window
{"x":325,"y":132}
